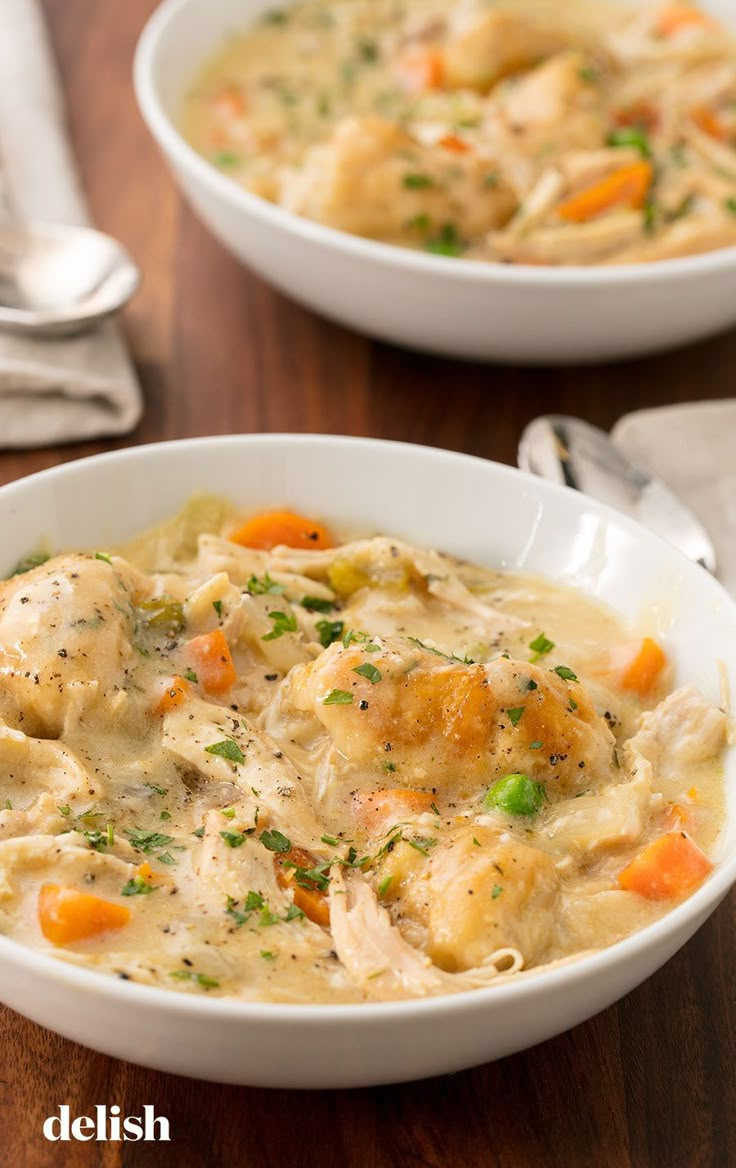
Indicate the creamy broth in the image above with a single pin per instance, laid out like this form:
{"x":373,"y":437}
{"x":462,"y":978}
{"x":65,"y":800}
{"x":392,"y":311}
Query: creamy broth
{"x":336,"y":771}
{"x":535,"y":132}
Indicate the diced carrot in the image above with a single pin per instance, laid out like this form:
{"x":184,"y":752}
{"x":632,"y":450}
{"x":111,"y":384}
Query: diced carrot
{"x":374,"y":808}
{"x":457,"y":145}
{"x":693,"y":794}
{"x":229,"y":103}
{"x":628,"y":186}
{"x":146,"y":872}
{"x":636,"y":666}
{"x":670,"y":866}
{"x":639,"y":114}
{"x":312,"y":901}
{"x":420,"y":68}
{"x":66,"y":915}
{"x":676,"y":17}
{"x":708,"y":121}
{"x":210,"y":653}
{"x":177,"y":690}
{"x":271,"y":528}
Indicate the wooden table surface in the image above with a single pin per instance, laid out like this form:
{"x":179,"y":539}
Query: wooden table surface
{"x":650,"y":1083}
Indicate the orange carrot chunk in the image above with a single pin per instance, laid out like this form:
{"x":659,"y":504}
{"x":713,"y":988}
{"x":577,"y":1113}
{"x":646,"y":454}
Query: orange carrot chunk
{"x":212,"y":660}
{"x":641,"y":113}
{"x":66,"y":915}
{"x":676,"y":17}
{"x":373,"y":808}
{"x":636,"y":666}
{"x":708,"y":121}
{"x":420,"y":68}
{"x":177,"y":690}
{"x":229,"y":103}
{"x":455,"y":144}
{"x":271,"y":528}
{"x":625,"y":187}
{"x":671,"y":866}
{"x":312,"y":901}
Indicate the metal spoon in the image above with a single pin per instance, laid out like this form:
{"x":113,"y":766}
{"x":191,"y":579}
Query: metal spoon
{"x":57,"y":280}
{"x":570,"y":451}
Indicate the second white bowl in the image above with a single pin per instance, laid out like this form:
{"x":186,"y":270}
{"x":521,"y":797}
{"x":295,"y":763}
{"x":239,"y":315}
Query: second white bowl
{"x":524,"y":315}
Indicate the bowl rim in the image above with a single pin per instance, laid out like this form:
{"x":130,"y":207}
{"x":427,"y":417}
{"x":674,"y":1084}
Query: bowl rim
{"x":175,"y":146}
{"x":538,"y":980}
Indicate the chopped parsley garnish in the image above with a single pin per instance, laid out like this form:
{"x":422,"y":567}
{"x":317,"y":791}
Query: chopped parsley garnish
{"x":156,"y":790}
{"x":293,"y":913}
{"x":384,"y":886}
{"x":565,"y":673}
{"x":199,"y":832}
{"x":165,"y":815}
{"x":338,"y":697}
{"x":573,"y":704}
{"x":540,"y":646}
{"x":317,"y":604}
{"x":137,"y":886}
{"x":389,"y":766}
{"x":240,"y":918}
{"x":282,"y":623}
{"x":233,"y":839}
{"x":190,"y":675}
{"x":730,"y":205}
{"x":422,"y":844}
{"x":537,"y":745}
{"x":8,"y":805}
{"x":226,"y":749}
{"x":226,"y":159}
{"x":276,"y":841}
{"x":368,"y":51}
{"x":330,"y":840}
{"x":368,"y":671}
{"x":516,"y":795}
{"x":65,"y":809}
{"x":650,"y":213}
{"x":491,"y":180}
{"x":514,"y":715}
{"x":148,"y":842}
{"x":268,"y":954}
{"x":329,"y":631}
{"x":28,"y":563}
{"x":165,"y":858}
{"x":103,"y":556}
{"x":201,"y":979}
{"x":433,"y":807}
{"x":588,"y":73}
{"x":633,"y":136}
{"x":264,"y":586}
{"x":419,"y":223}
{"x":354,"y":635}
{"x":497,"y":890}
{"x":446,"y":243}
{"x":418,"y":182}
{"x":217,"y":605}
{"x":228,"y":812}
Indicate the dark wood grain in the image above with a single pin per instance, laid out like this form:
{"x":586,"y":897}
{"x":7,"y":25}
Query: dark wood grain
{"x":651,"y":1083}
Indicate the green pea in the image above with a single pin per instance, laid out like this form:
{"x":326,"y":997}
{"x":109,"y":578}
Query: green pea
{"x":516,"y":795}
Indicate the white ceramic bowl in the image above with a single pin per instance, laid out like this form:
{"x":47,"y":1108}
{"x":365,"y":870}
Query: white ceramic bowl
{"x":490,"y":312}
{"x":488,"y":513}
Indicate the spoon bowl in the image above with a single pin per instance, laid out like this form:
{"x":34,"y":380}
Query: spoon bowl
{"x":572,"y":452}
{"x":58,"y":280}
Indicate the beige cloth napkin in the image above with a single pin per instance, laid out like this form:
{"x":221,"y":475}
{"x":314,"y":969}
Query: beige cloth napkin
{"x":63,"y":390}
{"x":693,"y":449}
